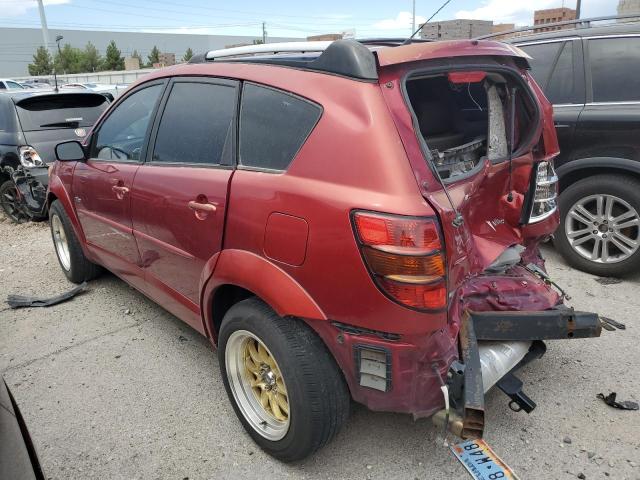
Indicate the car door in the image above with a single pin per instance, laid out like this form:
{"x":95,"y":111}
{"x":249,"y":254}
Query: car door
{"x":558,"y":68}
{"x":610,"y":122}
{"x":179,"y":195}
{"x":102,"y":184}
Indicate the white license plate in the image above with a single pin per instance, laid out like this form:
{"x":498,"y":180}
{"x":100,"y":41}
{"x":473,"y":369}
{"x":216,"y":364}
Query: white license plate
{"x":482,"y":462}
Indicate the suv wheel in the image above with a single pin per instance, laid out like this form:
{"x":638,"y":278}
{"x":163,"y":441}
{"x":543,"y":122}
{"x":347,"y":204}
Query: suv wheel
{"x":283,"y":383}
{"x":600,"y":225}
{"x":75,"y":265}
{"x":10,"y":202}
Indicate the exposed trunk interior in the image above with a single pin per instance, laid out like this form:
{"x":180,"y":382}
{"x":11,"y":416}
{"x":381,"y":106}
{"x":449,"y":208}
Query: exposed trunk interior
{"x":466,"y":118}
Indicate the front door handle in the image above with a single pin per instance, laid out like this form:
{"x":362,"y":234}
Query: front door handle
{"x":202,"y":207}
{"x":561,"y":125}
{"x":120,"y":191}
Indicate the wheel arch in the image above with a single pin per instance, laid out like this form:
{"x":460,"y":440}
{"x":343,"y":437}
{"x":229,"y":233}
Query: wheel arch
{"x":580,"y":169}
{"x":239,"y":274}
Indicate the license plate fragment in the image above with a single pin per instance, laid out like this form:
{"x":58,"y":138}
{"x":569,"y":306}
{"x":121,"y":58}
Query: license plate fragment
{"x":482,"y":462}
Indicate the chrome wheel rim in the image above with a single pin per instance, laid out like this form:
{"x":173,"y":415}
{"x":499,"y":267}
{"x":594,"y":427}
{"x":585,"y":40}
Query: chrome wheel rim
{"x":257,"y":385}
{"x":603,"y":228}
{"x":60,"y":241}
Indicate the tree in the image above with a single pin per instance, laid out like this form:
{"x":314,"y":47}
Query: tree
{"x":69,"y":59}
{"x":187,"y":55}
{"x":91,"y":59}
{"x":41,"y":63}
{"x":113,"y":59}
{"x":154,"y":56}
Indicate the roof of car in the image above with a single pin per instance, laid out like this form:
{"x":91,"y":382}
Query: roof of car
{"x":352,"y":58}
{"x":612,"y":29}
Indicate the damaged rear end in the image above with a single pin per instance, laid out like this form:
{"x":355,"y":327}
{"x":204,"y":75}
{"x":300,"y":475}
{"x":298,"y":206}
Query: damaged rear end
{"x":480,"y":138}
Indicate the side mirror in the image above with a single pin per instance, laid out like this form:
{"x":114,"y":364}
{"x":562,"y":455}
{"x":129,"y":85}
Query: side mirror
{"x":71,"y":151}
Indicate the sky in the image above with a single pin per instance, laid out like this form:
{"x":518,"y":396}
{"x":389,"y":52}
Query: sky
{"x":289,"y":18}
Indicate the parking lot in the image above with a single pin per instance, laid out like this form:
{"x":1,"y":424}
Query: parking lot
{"x":112,"y":386}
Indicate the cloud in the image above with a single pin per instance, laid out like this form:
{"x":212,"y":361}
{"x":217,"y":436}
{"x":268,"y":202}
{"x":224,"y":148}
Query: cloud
{"x":15,"y":8}
{"x":521,"y":13}
{"x":401,"y":22}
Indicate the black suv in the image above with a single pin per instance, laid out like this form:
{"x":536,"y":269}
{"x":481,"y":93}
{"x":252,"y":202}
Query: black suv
{"x":592,"y":77}
{"x":32,"y":123}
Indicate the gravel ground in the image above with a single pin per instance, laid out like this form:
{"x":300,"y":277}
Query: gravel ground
{"x":112,"y":387}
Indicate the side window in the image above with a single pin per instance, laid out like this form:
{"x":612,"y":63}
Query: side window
{"x":2,"y":86}
{"x":542,"y":57}
{"x":14,"y":85}
{"x":615,"y":69}
{"x":273,"y":126}
{"x":196,"y":124}
{"x":122,"y":134}
{"x":561,"y":84}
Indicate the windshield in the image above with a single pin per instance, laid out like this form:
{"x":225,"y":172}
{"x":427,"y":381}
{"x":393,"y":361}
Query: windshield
{"x":60,"y":111}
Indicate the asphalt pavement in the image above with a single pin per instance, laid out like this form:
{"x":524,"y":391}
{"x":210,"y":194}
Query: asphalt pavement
{"x":114,"y":387}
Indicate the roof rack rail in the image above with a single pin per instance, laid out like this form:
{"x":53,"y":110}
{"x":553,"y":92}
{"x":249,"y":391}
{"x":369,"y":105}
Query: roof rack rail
{"x":577,"y":23}
{"x":341,"y":57}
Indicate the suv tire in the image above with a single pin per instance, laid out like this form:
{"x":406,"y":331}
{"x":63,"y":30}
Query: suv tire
{"x":294,"y":370}
{"x":10,"y":203}
{"x":75,"y":265}
{"x":575,"y":242}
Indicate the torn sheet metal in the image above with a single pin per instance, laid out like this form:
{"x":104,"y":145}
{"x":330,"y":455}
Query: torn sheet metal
{"x":21,"y":301}
{"x":481,"y":461}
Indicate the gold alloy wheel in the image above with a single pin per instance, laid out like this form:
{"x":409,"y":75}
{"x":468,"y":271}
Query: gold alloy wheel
{"x":257,"y":385}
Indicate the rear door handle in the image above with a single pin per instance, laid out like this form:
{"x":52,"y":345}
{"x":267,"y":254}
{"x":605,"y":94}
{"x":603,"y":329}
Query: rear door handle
{"x":561,"y":125}
{"x":202,"y":207}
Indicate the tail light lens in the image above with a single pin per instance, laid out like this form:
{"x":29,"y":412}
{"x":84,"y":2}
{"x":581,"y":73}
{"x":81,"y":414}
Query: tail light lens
{"x":544,"y":203}
{"x":405,"y":258}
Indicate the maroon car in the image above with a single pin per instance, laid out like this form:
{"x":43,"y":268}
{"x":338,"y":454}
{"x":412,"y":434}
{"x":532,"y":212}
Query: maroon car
{"x":342,"y":220}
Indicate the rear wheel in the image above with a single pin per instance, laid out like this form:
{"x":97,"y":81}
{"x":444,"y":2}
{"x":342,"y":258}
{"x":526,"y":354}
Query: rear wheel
{"x":11,"y":204}
{"x":283,"y":383}
{"x":600,"y":225}
{"x":75,"y":265}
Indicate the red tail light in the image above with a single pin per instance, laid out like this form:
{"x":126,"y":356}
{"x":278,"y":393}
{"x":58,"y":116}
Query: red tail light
{"x":405,"y":258}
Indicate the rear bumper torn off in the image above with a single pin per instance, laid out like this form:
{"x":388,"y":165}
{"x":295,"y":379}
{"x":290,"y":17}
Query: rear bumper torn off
{"x":521,"y":335}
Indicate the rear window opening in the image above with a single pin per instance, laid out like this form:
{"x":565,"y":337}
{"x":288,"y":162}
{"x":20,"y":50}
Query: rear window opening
{"x":464,"y":118}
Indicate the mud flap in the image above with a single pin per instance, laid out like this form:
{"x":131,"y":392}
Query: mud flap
{"x":464,"y":379}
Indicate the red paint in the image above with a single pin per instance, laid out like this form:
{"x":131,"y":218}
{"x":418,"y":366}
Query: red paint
{"x":288,"y":237}
{"x":285,"y":239}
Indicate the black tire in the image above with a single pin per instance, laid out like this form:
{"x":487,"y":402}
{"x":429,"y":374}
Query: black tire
{"x":80,"y":268}
{"x":621,"y":186}
{"x":11,"y":204}
{"x":318,"y":396}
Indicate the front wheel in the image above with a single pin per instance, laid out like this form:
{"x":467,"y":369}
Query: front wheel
{"x":599,"y":230}
{"x":283,"y":383}
{"x":75,"y":265}
{"x":11,"y":203}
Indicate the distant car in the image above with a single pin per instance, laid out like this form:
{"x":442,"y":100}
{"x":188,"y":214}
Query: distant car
{"x":105,"y":90}
{"x":32,"y":122}
{"x":592,"y":76}
{"x":18,"y":458}
{"x":7,"y":84}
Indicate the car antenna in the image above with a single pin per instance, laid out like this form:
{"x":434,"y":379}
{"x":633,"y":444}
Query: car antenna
{"x":408,"y":40}
{"x":512,"y":130}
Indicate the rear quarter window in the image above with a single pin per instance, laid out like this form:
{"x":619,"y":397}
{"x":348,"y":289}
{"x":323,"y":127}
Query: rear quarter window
{"x":41,"y":112}
{"x":615,"y":69}
{"x":273,"y":126}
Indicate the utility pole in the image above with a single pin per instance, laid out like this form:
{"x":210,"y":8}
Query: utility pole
{"x":264,"y":33}
{"x":578,"y":5}
{"x":413,"y":17}
{"x":45,"y":29}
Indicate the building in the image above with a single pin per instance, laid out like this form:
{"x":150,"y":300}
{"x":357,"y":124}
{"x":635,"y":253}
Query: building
{"x":552,"y":15}
{"x":502,"y":27}
{"x":131,"y":63}
{"x":15,"y":64}
{"x":456,"y":29}
{"x":166,"y":59}
{"x":330,"y":37}
{"x":629,"y":7}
